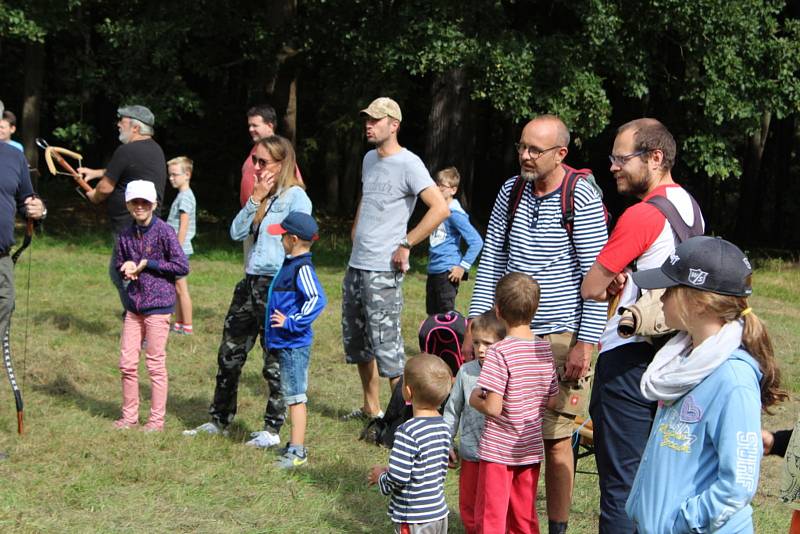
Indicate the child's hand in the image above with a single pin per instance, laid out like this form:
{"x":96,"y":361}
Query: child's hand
{"x":452,"y":458}
{"x":277,"y":319}
{"x":131,"y":271}
{"x":375,"y":473}
{"x":456,"y":274}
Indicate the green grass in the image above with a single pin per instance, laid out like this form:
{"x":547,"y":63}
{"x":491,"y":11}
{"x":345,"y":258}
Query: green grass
{"x":72,"y":473}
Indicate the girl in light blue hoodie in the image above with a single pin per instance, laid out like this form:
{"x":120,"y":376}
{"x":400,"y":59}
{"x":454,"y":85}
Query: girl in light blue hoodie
{"x":700,"y":468}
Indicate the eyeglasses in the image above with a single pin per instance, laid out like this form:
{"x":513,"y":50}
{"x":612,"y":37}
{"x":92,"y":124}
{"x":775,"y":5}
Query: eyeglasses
{"x":620,"y":161}
{"x":533,"y":152}
{"x":261,"y":162}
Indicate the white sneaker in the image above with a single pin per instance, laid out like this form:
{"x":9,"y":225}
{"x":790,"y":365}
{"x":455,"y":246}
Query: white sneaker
{"x":359,"y":413}
{"x":264,"y":439}
{"x":206,"y":428}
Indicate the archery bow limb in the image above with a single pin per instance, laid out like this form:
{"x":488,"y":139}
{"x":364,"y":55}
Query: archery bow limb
{"x":54,"y":152}
{"x":12,"y":377}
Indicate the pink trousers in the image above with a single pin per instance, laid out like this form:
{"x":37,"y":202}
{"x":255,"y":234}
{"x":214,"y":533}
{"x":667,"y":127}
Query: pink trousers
{"x":154,"y":329}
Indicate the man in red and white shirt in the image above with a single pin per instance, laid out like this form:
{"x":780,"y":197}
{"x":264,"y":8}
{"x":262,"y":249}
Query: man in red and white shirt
{"x":641,"y":161}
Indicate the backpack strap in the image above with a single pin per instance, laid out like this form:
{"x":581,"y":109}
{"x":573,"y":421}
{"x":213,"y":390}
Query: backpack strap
{"x":568,"y":185}
{"x":514,"y":198}
{"x":681,"y":230}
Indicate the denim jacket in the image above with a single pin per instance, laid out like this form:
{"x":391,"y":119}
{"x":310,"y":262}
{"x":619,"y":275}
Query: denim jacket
{"x":266,"y":256}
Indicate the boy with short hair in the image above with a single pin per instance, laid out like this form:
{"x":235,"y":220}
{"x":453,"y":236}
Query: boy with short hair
{"x":182,"y":215}
{"x":8,"y":125}
{"x":517,"y":382}
{"x":418,"y":461}
{"x":296,"y":299}
{"x":486,"y":330}
{"x":447,"y":266}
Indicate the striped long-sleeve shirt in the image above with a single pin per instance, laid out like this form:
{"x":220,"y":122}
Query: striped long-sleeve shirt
{"x":417,"y":468}
{"x":540,"y":246}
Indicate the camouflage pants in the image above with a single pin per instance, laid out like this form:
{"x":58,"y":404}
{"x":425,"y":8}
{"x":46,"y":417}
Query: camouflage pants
{"x":372,"y":302}
{"x":243,"y":323}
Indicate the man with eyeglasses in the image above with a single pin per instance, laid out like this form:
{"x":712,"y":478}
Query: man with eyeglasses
{"x":641,"y":161}
{"x":539,"y":245}
{"x":372,"y":290}
{"x":138,"y":158}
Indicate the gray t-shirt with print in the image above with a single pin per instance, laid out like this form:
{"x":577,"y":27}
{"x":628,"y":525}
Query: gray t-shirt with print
{"x":390,"y":187}
{"x":184,"y":203}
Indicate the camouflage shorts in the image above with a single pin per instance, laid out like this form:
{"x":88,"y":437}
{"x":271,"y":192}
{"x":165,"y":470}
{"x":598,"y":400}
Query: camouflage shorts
{"x":371,"y":306}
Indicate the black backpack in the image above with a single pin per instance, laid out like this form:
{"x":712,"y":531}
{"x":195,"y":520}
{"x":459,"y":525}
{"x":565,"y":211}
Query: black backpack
{"x":442,"y":335}
{"x":568,"y":186}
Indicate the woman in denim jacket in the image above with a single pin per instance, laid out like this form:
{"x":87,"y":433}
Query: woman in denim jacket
{"x":276,"y":193}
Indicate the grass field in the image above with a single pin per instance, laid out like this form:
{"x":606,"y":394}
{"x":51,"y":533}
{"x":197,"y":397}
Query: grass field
{"x":72,"y":473}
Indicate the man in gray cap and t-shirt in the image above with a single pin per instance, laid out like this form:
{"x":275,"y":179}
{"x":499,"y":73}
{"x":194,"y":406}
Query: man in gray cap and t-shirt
{"x":392,"y":179}
{"x":138,"y":158}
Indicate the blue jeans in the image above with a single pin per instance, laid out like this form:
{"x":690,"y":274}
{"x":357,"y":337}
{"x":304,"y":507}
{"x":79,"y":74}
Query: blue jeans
{"x":294,"y":373}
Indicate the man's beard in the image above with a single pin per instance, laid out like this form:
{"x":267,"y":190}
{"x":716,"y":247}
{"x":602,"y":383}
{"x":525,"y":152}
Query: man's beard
{"x":529,"y":176}
{"x":636,"y":188}
{"x":124,"y":137}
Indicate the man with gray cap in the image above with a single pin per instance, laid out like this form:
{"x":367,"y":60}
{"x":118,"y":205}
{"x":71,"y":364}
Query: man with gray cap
{"x":138,"y":158}
{"x":372,"y":300}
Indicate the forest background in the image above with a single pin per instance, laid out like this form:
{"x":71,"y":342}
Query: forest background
{"x":724,"y":75}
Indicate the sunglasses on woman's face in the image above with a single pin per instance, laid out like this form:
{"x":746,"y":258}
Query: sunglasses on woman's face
{"x":261,"y":162}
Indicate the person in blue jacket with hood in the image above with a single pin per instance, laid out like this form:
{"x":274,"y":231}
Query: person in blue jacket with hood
{"x":700,"y":468}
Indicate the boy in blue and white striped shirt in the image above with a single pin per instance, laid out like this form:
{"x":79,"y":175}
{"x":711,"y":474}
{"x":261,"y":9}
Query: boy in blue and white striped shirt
{"x":418,"y":461}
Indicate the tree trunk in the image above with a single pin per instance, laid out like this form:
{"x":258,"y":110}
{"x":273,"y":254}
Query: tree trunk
{"x":333,"y":169}
{"x":450,"y":134}
{"x":281,"y":85}
{"x":32,"y":104}
{"x":748,"y":225}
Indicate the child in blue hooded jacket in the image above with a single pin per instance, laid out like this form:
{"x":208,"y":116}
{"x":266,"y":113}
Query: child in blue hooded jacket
{"x":700,"y":468}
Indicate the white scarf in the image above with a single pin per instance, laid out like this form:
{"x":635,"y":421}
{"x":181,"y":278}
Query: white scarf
{"x":677,"y":368}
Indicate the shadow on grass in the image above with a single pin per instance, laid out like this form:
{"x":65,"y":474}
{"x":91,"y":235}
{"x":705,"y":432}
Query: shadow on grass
{"x":65,"y":321}
{"x":64,"y":390}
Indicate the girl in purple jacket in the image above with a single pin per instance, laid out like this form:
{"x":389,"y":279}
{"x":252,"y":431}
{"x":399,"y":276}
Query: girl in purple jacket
{"x":149,"y":258}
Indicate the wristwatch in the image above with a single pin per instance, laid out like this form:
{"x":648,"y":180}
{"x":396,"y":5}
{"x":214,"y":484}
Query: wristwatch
{"x":405,"y":244}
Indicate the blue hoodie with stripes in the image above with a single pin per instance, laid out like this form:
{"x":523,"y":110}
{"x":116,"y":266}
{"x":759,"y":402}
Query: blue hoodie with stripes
{"x":297,"y":293}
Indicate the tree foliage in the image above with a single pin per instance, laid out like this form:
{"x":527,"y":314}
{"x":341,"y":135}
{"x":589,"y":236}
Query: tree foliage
{"x":720,"y":73}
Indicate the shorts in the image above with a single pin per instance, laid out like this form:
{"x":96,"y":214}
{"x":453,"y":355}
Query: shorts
{"x":574,"y":396}
{"x":294,"y":373}
{"x":440,"y":293}
{"x":371,"y":306}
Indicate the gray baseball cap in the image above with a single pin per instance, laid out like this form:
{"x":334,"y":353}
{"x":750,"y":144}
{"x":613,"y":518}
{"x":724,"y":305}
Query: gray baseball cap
{"x":140,"y":113}
{"x":705,"y":263}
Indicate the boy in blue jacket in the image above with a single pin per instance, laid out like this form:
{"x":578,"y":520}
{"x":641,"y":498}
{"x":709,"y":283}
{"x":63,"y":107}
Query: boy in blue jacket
{"x":296,"y":299}
{"x":446,"y":265}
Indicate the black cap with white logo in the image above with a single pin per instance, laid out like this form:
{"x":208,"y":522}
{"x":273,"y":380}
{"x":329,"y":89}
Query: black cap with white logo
{"x":705,"y":263}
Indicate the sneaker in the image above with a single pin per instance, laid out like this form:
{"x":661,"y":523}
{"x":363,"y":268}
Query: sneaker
{"x":292,"y":459}
{"x":121,"y":424}
{"x":206,"y":428}
{"x":177,"y":328}
{"x":187,"y":330}
{"x":359,"y":413}
{"x":263,"y":439}
{"x":151,"y":427}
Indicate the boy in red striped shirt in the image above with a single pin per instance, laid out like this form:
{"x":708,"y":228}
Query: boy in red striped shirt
{"x":517,"y":382}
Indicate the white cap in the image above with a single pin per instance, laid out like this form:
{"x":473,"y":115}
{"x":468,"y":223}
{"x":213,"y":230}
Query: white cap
{"x":141,"y":189}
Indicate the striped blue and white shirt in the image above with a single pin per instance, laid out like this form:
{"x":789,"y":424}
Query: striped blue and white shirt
{"x":417,"y":467}
{"x":540,"y":246}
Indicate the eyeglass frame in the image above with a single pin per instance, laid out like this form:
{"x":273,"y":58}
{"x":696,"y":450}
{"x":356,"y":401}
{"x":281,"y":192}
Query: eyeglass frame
{"x":528,"y":148}
{"x":621,"y":161}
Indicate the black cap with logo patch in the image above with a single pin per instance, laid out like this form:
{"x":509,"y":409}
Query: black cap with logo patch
{"x":705,"y":263}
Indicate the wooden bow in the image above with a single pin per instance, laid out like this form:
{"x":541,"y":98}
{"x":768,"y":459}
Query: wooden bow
{"x":53,"y":155}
